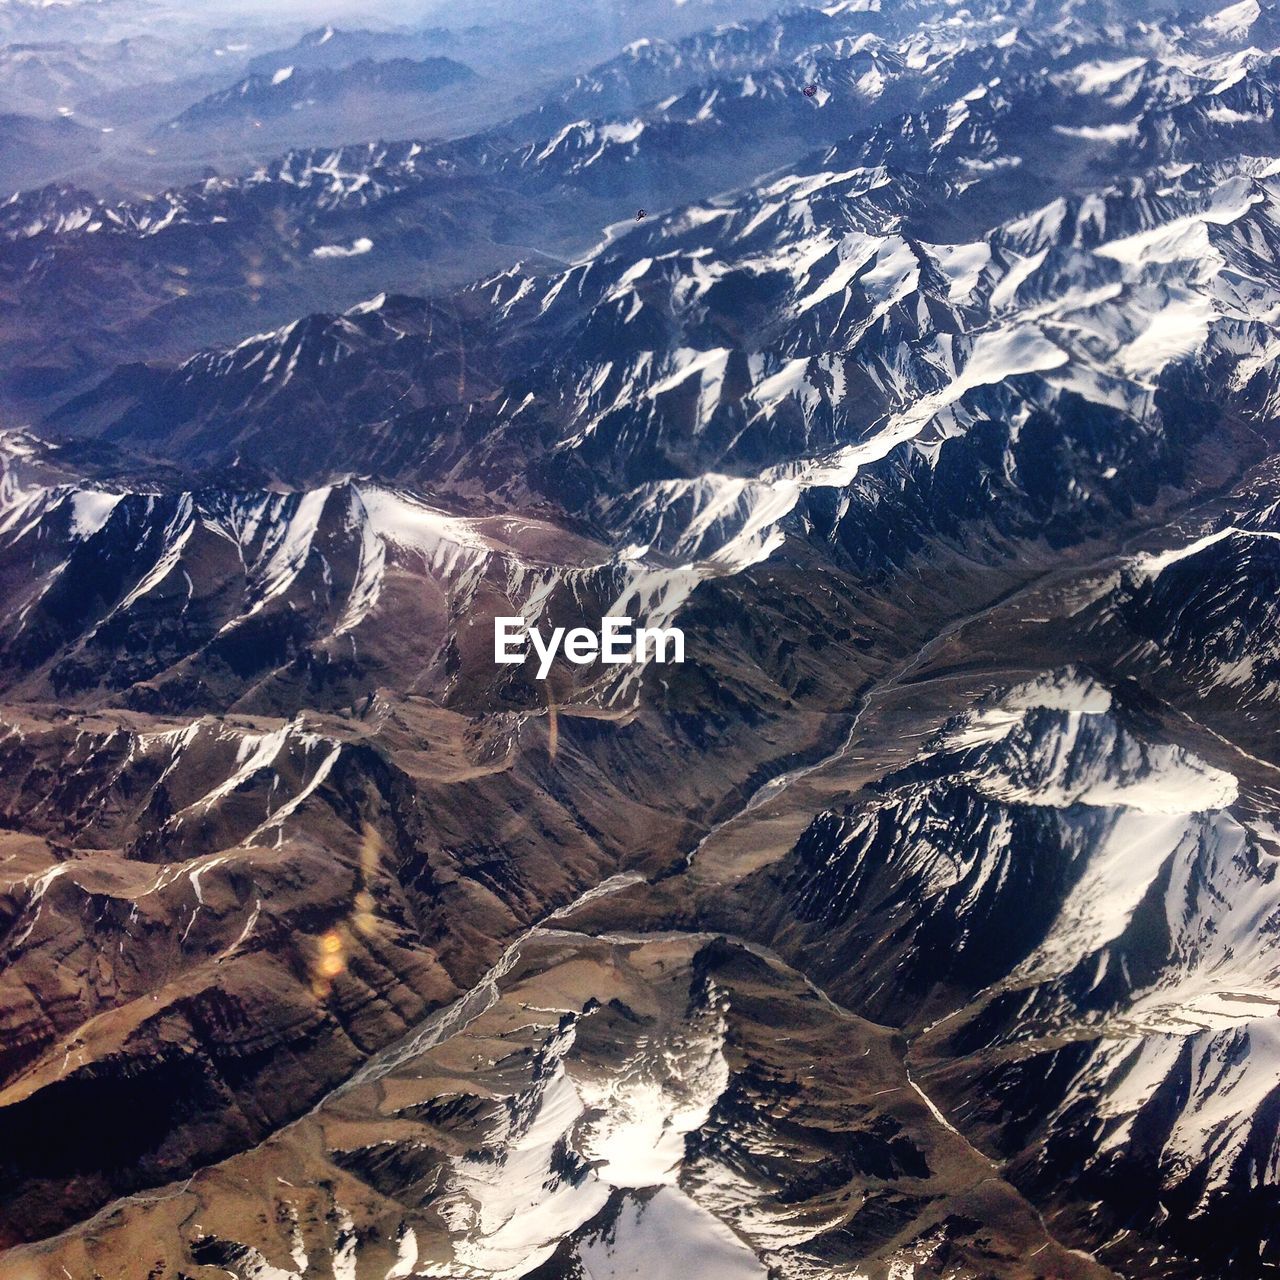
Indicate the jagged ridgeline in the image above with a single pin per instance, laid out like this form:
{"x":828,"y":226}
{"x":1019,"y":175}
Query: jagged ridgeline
{"x":922,"y":923}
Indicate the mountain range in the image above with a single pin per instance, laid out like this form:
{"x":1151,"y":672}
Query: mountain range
{"x":920,"y":365}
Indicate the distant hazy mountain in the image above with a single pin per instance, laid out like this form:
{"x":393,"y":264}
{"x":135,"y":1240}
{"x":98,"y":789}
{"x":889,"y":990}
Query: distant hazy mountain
{"x":31,"y":146}
{"x":332,"y":47}
{"x":289,"y":88}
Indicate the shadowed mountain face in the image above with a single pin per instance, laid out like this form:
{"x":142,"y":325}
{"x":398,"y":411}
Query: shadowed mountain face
{"x":923,"y":923}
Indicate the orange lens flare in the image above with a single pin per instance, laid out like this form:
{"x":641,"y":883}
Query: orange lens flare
{"x":330,"y":963}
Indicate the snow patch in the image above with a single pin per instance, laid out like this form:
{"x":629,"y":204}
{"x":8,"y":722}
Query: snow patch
{"x":1113,"y":133}
{"x":90,"y":509}
{"x":356,"y":249}
{"x":1235,"y":21}
{"x":1095,"y":77}
{"x":667,"y":1237}
{"x":1178,"y":329}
